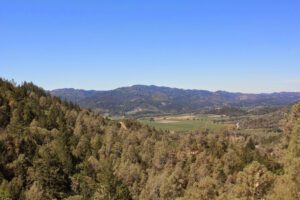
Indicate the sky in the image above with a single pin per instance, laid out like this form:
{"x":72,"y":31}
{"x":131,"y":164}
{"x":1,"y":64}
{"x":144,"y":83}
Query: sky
{"x":242,"y":46}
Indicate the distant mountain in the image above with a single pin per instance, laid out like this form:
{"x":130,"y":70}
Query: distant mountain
{"x":52,"y":149}
{"x":142,"y":100}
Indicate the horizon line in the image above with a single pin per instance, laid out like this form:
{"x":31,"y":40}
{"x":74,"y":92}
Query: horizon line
{"x":171,"y":87}
{"x":138,"y":84}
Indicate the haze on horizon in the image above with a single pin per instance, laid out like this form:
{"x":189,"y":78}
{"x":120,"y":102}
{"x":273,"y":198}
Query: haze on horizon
{"x":240,"y":46}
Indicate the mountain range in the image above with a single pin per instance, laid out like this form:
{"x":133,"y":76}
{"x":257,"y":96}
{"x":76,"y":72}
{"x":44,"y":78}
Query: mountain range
{"x":147,"y":100}
{"x":53,"y":149}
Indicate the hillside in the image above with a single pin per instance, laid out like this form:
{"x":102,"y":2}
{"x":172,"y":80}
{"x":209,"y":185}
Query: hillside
{"x":143,"y":100}
{"x":52,"y":149}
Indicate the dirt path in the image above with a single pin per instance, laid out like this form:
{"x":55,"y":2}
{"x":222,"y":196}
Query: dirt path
{"x":123,"y":126}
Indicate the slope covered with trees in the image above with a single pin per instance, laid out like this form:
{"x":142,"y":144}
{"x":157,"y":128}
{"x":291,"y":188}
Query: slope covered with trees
{"x":52,"y":149}
{"x":147,"y":100}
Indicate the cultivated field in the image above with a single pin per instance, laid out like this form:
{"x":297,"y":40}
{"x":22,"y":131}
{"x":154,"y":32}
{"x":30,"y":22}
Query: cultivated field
{"x":214,"y":123}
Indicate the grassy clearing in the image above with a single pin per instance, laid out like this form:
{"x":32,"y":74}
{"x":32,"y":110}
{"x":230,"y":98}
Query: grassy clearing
{"x":186,"y":123}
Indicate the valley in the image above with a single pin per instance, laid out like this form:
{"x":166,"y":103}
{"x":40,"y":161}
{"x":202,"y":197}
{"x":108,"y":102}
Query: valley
{"x":149,"y":100}
{"x":55,"y":149}
{"x":185,"y":123}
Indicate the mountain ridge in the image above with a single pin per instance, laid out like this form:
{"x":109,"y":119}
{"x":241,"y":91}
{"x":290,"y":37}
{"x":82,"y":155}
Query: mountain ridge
{"x":53,"y":149}
{"x":169,"y":87}
{"x":151,"y":99}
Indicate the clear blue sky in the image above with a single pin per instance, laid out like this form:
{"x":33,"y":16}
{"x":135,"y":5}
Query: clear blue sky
{"x":241,"y":45}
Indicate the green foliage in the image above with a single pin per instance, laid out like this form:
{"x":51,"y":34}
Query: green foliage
{"x":253,"y":182}
{"x":287,"y":186}
{"x":4,"y":191}
{"x":41,"y":157}
{"x":51,"y":149}
{"x":4,"y":112}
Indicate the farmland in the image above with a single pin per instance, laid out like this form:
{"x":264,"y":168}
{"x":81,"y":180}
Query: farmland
{"x":185,"y":123}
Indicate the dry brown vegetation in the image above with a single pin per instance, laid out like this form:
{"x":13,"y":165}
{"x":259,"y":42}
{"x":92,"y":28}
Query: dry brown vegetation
{"x":51,"y":149}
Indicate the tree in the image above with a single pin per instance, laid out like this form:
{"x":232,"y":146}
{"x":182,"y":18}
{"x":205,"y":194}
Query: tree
{"x":35,"y":192}
{"x":109,"y":186}
{"x":253,"y":182}
{"x":4,"y":112}
{"x":206,"y":188}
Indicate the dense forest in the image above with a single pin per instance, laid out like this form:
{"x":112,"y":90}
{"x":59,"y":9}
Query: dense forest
{"x":53,"y":149}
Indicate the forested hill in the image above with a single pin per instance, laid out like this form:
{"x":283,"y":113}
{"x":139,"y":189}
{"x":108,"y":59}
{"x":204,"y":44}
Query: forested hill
{"x":140,"y":99}
{"x":51,"y":149}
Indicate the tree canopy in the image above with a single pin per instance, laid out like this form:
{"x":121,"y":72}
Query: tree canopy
{"x":53,"y":149}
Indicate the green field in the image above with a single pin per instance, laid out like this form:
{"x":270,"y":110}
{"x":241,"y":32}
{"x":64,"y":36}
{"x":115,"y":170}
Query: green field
{"x":186,"y":123}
